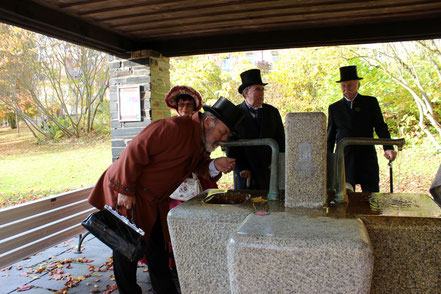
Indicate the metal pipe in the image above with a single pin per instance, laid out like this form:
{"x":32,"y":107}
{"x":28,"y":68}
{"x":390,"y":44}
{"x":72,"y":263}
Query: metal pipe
{"x":274,"y":192}
{"x":339,"y":181}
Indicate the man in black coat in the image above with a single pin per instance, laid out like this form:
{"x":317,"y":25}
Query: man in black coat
{"x":356,"y":115}
{"x":253,"y":163}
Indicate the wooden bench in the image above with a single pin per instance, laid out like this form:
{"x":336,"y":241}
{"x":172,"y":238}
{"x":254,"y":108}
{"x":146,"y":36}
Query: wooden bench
{"x":31,"y":227}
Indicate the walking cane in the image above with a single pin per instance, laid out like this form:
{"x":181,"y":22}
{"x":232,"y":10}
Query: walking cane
{"x":391,"y":177}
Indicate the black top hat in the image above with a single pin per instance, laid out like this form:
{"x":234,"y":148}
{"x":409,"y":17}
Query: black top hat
{"x":249,"y":78}
{"x":227,"y":112}
{"x":348,"y":73}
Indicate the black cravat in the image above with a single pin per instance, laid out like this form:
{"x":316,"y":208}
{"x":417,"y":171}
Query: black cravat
{"x":258,"y":116}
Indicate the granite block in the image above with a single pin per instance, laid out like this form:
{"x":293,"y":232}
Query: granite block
{"x":285,"y":253}
{"x":305,"y":159}
{"x":407,"y":252}
{"x":199,"y":233}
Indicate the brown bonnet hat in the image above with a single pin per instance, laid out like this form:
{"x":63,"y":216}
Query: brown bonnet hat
{"x":175,"y":92}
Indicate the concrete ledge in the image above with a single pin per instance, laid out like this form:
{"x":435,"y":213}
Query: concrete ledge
{"x":285,"y":253}
{"x":199,"y":234}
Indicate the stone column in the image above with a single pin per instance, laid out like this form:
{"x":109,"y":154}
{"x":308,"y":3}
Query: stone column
{"x":305,"y":159}
{"x":151,"y":71}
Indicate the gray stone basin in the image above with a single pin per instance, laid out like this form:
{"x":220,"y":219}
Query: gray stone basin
{"x":375,"y":243}
{"x":226,"y":197}
{"x":199,"y":233}
{"x":399,"y":234}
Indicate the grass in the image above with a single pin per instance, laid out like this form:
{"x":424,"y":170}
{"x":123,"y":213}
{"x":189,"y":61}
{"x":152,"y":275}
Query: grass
{"x":413,"y":170}
{"x":31,"y":171}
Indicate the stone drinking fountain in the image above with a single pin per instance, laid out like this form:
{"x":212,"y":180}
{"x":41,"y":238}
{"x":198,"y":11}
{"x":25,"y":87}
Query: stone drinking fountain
{"x":316,"y":238}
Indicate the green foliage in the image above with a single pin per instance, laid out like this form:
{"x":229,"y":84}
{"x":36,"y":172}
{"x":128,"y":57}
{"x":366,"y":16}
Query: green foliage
{"x":102,"y":119}
{"x":204,"y":74}
{"x":198,"y":72}
{"x":11,"y":120}
{"x":304,"y":80}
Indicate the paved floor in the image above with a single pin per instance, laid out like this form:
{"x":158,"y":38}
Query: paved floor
{"x":60,"y":270}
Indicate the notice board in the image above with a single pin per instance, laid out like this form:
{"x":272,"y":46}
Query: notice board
{"x":129,"y":103}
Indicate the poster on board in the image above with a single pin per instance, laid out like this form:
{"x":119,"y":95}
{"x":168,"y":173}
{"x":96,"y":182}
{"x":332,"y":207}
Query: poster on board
{"x":129,"y":103}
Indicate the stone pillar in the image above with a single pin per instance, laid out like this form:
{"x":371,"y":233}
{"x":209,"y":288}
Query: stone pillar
{"x":151,"y":71}
{"x":305,"y":159}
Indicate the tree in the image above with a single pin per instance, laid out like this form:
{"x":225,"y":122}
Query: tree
{"x":416,"y":67}
{"x":304,"y":80}
{"x":76,"y":78}
{"x":14,"y":45}
{"x":405,"y":78}
{"x":211,"y":75}
{"x":60,"y":83}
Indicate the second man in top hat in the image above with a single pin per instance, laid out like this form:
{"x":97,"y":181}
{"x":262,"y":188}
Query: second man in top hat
{"x":261,"y":120}
{"x":357,"y":115}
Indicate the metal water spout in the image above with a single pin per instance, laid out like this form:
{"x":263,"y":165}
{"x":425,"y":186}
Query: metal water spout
{"x":339,"y":179}
{"x":274,"y":192}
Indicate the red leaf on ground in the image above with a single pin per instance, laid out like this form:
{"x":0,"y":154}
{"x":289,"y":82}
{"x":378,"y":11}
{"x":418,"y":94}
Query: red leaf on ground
{"x":24,"y":288}
{"x":262,"y":213}
{"x":62,"y":291}
{"x":84,"y":260}
{"x":56,"y":277}
{"x":110,"y":289}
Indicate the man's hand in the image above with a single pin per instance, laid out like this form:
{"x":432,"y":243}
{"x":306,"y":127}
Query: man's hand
{"x":390,"y":154}
{"x":245,"y":174}
{"x":126,"y":201}
{"x":225,"y":164}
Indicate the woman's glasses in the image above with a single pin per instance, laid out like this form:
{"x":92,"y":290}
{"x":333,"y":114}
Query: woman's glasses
{"x":188,"y":104}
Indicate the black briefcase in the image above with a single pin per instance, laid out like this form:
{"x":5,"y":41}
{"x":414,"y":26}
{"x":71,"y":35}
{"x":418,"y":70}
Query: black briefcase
{"x":117,"y":232}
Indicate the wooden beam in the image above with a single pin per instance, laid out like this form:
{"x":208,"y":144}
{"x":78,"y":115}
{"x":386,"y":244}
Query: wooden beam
{"x":204,"y":39}
{"x":35,"y":17}
{"x":321,"y":36}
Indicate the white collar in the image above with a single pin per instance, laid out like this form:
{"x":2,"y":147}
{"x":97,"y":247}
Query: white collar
{"x":249,"y":106}
{"x":352,"y":99}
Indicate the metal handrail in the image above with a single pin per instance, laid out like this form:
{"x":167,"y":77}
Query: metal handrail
{"x":274,"y":192}
{"x":339,"y":179}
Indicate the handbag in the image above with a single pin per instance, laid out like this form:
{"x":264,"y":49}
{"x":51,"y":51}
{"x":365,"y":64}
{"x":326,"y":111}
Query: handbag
{"x":189,"y":188}
{"x":117,"y":232}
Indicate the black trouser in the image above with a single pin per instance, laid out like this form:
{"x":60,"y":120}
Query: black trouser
{"x":157,"y":256}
